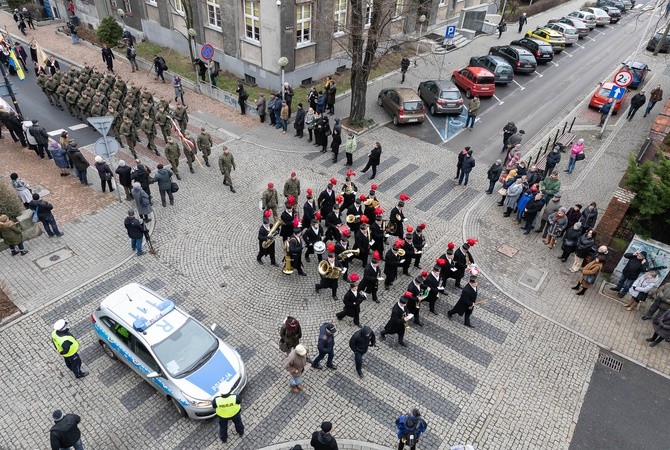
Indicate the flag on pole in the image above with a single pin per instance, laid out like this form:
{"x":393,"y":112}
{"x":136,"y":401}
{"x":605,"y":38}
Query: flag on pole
{"x":13,"y":60}
{"x":178,"y":132}
{"x":42,"y":57}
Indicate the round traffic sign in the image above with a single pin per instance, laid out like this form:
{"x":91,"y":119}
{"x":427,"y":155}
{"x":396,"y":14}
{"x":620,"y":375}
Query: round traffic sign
{"x":106,"y":147}
{"x":207,"y":52}
{"x":623,"y":78}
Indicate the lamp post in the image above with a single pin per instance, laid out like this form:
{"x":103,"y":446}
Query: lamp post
{"x":422,"y":19}
{"x":192,"y":50}
{"x":283,"y":62}
{"x":122,"y":15}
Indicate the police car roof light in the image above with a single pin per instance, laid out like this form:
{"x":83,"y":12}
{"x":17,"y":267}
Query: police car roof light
{"x":142,"y":323}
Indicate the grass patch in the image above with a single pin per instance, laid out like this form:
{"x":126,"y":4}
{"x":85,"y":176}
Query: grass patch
{"x":176,"y":62}
{"x":619,"y":244}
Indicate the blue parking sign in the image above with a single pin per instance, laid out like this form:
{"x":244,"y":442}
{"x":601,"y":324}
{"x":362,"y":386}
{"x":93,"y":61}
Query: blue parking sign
{"x":450,"y":33}
{"x":617,"y":92}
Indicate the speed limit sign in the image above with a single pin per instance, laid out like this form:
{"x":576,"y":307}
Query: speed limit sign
{"x":623,"y":78}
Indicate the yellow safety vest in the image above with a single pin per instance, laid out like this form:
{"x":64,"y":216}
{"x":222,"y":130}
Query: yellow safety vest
{"x":60,"y":340}
{"x":227,"y":407}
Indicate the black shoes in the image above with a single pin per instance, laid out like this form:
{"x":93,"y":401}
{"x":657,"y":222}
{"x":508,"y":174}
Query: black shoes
{"x":419,"y":323}
{"x":332,"y":366}
{"x":651,"y":339}
{"x":469,"y":325}
{"x":402,"y":344}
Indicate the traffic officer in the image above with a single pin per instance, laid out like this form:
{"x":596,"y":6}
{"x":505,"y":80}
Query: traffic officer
{"x":163,"y":121}
{"x":205,"y":143}
{"x":128,"y":130}
{"x":172,"y":154}
{"x":189,"y":151}
{"x":66,"y":345}
{"x":227,"y":407}
{"x":149,"y":128}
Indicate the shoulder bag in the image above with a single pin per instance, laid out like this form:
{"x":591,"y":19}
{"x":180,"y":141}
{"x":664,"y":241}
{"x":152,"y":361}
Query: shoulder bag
{"x":36,"y":217}
{"x":174,"y":187}
{"x":580,"y":156}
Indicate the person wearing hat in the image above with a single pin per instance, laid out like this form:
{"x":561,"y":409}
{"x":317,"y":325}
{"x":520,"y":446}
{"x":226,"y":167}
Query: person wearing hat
{"x":205,"y":143}
{"x":467,"y":166}
{"x":333,"y":222}
{"x":263,"y":236}
{"x":417,"y":288}
{"x":226,"y":164}
{"x":295,"y":246}
{"x":371,"y":276}
{"x":557,"y":223}
{"x":408,"y":246}
{"x":374,"y":158}
{"x":352,"y":301}
{"x":105,"y":173}
{"x":326,"y":200}
{"x":550,"y":208}
{"x":349,"y":192}
{"x":570,"y":239}
{"x":12,"y":235}
{"x":397,"y":219}
{"x":288,"y":216}
{"x":326,"y":346}
{"x":462,"y":259}
{"x":589,"y":217}
{"x":309,"y":210}
{"x":142,"y":175}
{"x":44,"y":214}
{"x":639,"y":291}
{"x":637,"y":264}
{"x":136,"y":230}
{"x":398,"y":320}
{"x":493,"y":175}
{"x":123,"y":171}
{"x":432,"y":283}
{"x":270,"y":200}
{"x":391,"y":263}
{"x":377,"y":233}
{"x":228,"y":407}
{"x":356,"y":210}
{"x":327,"y":281}
{"x":408,"y":429}
{"x":362,"y":241}
{"x":292,"y":187}
{"x":466,"y":302}
{"x":359,"y":343}
{"x":65,"y":431}
{"x":322,"y":439}
{"x":578,"y":147}
{"x":341,"y":246}
{"x":350,"y":147}
{"x":447,"y":266}
{"x":294,"y":364}
{"x":290,"y":334}
{"x":66,"y":346}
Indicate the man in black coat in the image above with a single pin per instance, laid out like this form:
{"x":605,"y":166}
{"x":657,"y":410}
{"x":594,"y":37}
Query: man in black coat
{"x":493,"y":175}
{"x":357,"y":211}
{"x":65,"y":432}
{"x":309,"y":210}
{"x":397,"y":322}
{"x":459,"y":163}
{"x":414,"y":304}
{"x":636,"y":103}
{"x":340,"y":246}
{"x":533,"y":207}
{"x":80,"y":163}
{"x":263,"y":236}
{"x":432,"y":282}
{"x":352,"y":301}
{"x":295,"y":250}
{"x":408,"y":246}
{"x":123,"y":171}
{"x":373,"y":160}
{"x":45,"y":215}
{"x":299,"y":124}
{"x":419,"y":244}
{"x":359,"y":343}
{"x":637,"y":264}
{"x":15,"y":126}
{"x":362,"y":243}
{"x":326,"y":346}
{"x":312,"y":235}
{"x":41,"y":138}
{"x":328,"y":282}
{"x":466,"y":302}
{"x":326,"y":200}
{"x":332,"y":221}
{"x":397,"y":219}
{"x":447,"y":267}
{"x":468,"y":165}
{"x":287,"y":217}
{"x":322,"y":439}
{"x":377,"y":235}
{"x":371,"y":275}
{"x":462,"y":259}
{"x":391,"y":264}
{"x":553,"y":158}
{"x":141,"y":174}
{"x":135,"y":229}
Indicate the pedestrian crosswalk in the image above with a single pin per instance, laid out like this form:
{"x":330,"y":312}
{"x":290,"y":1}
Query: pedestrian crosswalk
{"x":79,"y":126}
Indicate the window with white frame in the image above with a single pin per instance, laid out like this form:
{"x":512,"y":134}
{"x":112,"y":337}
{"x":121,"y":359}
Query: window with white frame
{"x":368,"y":13}
{"x":303,"y":23}
{"x":152,"y":2}
{"x":128,"y":9}
{"x":179,"y":6}
{"x":340,"y":17}
{"x":214,"y":13}
{"x":252,"y":20}
{"x":398,"y":8}
{"x":442,"y":3}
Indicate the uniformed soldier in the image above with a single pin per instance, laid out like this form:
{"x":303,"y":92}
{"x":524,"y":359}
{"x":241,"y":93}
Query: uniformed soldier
{"x":88,"y":70}
{"x":205,"y":145}
{"x":115,"y":104}
{"x":85,"y":75}
{"x":83,"y":105}
{"x":77,"y":85}
{"x":164,"y":122}
{"x":97,"y":110}
{"x":149,"y":128}
{"x":116,"y":93}
{"x":42,"y":83}
{"x":189,"y":150}
{"x":131,"y":113}
{"x":181,"y":116}
{"x":116,"y":124}
{"x":71,"y":101}
{"x":88,"y":91}
{"x":128,"y":130}
{"x":119,"y":83}
{"x":270,"y":200}
{"x":104,"y":87}
{"x":93,"y":81}
{"x":226,"y":163}
{"x":61,"y":92}
{"x":51,"y":86}
{"x":146,"y":95}
{"x":165,"y":104}
{"x":66,"y":346}
{"x":172,"y":154}
{"x":110,"y":79}
{"x":227,"y":407}
{"x":146,"y":108}
{"x":99,"y":97}
{"x":133,"y":93}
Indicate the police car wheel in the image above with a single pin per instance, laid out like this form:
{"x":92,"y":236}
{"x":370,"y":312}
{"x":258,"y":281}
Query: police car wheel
{"x":180,"y":409}
{"x":108,"y":351}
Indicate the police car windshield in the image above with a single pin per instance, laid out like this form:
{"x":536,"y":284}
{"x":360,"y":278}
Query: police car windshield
{"x":185,"y":350}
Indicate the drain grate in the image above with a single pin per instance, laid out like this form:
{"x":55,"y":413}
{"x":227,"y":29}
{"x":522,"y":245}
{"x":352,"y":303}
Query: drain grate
{"x":608,"y":361}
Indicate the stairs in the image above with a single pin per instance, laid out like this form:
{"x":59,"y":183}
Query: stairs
{"x":437,"y":41}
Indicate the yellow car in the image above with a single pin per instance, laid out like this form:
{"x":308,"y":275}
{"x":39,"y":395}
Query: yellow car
{"x":553,"y":38}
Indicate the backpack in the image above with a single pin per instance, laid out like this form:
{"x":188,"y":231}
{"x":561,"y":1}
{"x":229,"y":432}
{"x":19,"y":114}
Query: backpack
{"x":162,"y":63}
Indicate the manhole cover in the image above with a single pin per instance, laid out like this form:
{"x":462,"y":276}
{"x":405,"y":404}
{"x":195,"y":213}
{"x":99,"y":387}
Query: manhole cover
{"x":532,"y":277}
{"x":608,"y":361}
{"x":507,"y":250}
{"x":54,"y":258}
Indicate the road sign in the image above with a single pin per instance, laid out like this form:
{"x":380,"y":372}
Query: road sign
{"x":207,"y":52}
{"x":617,"y":92}
{"x":102,"y":124}
{"x":623,"y":78}
{"x":450,"y":33}
{"x":106,"y":147}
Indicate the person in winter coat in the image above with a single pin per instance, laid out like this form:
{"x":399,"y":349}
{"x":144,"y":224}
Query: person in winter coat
{"x":661,"y":329}
{"x":178,"y":90}
{"x":350,"y":147}
{"x":44,"y":214}
{"x":655,"y":96}
{"x":589,"y":274}
{"x":526,"y":197}
{"x":473,"y":109}
{"x":290,"y":333}
{"x":570,"y":239}
{"x":105,"y":173}
{"x":512,"y":196}
{"x":226,"y":164}
{"x":640,"y":289}
{"x":242,"y":97}
{"x":12,"y":235}
{"x":108,"y":57}
{"x":359,"y":343}
{"x":321,"y":101}
{"x":404,"y":66}
{"x":397,"y":322}
{"x":553,"y":158}
{"x":589,"y":217}
{"x":512,"y":159}
{"x":636,"y":103}
{"x":533,"y":207}
{"x":65,"y":433}
{"x":584,"y":245}
{"x":79,"y":161}
{"x":337,"y":139}
{"x":637,"y":264}
{"x":271,"y":109}
{"x":557,"y":223}
{"x":283,"y":115}
{"x":294,"y":364}
{"x":373,"y":160}
{"x":164,"y":179}
{"x":261,"y":107}
{"x":142,"y":201}
{"x":123,"y":171}
{"x":141,"y":174}
{"x":459,"y":162}
{"x":288,"y":96}
{"x":41,"y":138}
{"x":605,"y":110}
{"x":576,"y":149}
{"x":135,"y":230}
{"x":660,"y":299}
{"x":493,"y":175}
{"x":502,"y":27}
{"x":409,"y":427}
{"x":322,"y":439}
{"x":131,"y":54}
{"x":276,"y":107}
{"x":322,"y":133}
{"x":22,"y":189}
{"x":574,"y":214}
{"x":550,"y":208}
{"x":550,"y":186}
{"x":468,"y":165}
{"x":330,"y":100}
{"x":60,"y":159}
{"x":309,"y":123}
{"x":326,"y":346}
{"x":508,"y":130}
{"x":523,"y":20}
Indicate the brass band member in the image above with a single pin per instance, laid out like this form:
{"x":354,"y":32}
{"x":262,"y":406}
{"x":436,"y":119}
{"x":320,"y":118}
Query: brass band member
{"x":463,"y":259}
{"x":288,"y":217}
{"x":264,"y":235}
{"x":356,"y":210}
{"x":377,"y":232}
{"x":352,"y":301}
{"x":432,"y":283}
{"x":309,"y":210}
{"x":370,"y":203}
{"x":409,"y":249}
{"x":312,"y":235}
{"x":397,"y":218}
{"x":349,"y":191}
{"x":419,"y":244}
{"x":371,"y":276}
{"x":332,"y":221}
{"x":295,"y":249}
{"x":392,"y":262}
{"x":340,"y":246}
{"x":416,"y":287}
{"x":327,"y":198}
{"x":362,"y":241}
{"x":399,"y":317}
{"x":466,"y":303}
{"x":327,"y":281}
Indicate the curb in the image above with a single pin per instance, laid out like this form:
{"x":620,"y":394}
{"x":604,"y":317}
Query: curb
{"x":342,"y":444}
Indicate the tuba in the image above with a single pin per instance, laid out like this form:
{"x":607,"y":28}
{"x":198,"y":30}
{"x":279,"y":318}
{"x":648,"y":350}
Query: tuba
{"x":272,"y":234}
{"x":345,"y":254}
{"x":401,"y":252}
{"x":391,"y":227}
{"x":326,"y":271}
{"x":288,"y":269}
{"x":352,"y":219}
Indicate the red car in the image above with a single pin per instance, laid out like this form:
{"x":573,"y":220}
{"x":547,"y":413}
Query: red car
{"x":600,"y":96}
{"x":475,"y":81}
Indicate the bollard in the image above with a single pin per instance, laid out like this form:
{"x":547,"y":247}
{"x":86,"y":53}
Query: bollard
{"x":565,"y":125}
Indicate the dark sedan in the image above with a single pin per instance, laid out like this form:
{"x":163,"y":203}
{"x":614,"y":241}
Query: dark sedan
{"x":542,"y":51}
{"x":521,"y":60}
{"x":499,"y":67}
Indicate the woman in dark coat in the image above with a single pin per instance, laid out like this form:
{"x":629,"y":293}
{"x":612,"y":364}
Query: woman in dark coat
{"x":105,"y":173}
{"x":584,"y":245}
{"x":533,"y":207}
{"x":289,"y":334}
{"x":79,"y":161}
{"x":242,"y":97}
{"x":573,"y":215}
{"x":322,"y":132}
{"x":60,"y":159}
{"x":570,"y":239}
{"x":661,"y":329}
{"x":337,"y":139}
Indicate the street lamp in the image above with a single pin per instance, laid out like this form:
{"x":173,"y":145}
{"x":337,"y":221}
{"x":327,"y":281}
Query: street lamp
{"x":422,"y":19}
{"x":283,"y":62}
{"x":122,"y":15}
{"x":192,"y":50}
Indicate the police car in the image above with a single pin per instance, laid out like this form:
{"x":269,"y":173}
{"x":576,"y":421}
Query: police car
{"x":168,"y":348}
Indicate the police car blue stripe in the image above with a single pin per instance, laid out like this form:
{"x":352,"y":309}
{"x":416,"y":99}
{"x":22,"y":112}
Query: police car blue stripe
{"x":217,"y":371}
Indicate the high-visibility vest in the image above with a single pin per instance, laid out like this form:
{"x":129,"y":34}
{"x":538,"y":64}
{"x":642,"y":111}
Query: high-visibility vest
{"x":60,"y":340}
{"x":227,"y":407}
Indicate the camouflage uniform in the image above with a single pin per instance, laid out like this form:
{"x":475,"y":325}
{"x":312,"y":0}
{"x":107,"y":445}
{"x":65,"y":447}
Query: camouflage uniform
{"x":172,"y":154}
{"x":115,"y":104}
{"x":128,"y":130}
{"x":51,"y":87}
{"x":165,"y":104}
{"x":61,"y":93}
{"x":77,"y":85}
{"x":149,"y":128}
{"x":119,"y":83}
{"x":205,"y":145}
{"x":226,"y":164}
{"x":83,"y":105}
{"x":181,"y":117}
{"x":189,"y":150}
{"x":115,"y":125}
{"x":146,"y":95}
{"x":146,"y":108}
{"x":104,"y":87}
{"x":99,"y":97}
{"x":42,"y":83}
{"x":131,"y":113}
{"x":71,"y":100}
{"x":163,"y":121}
{"x":97,"y":109}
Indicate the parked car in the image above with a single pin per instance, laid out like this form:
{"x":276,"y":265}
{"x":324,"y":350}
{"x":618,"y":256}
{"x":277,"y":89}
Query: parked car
{"x":588,"y":18}
{"x":541,"y":50}
{"x":616,"y":3}
{"x":168,"y":348}
{"x":404,"y":105}
{"x":442,"y":97}
{"x":628,"y":4}
{"x":521,"y":60}
{"x":579,"y":25}
{"x":569,"y":32}
{"x":651,"y":45}
{"x":614,"y":13}
{"x":500,"y":68}
{"x":602,"y":18}
{"x":639,"y":71}
{"x":602,"y":93}
{"x":475,"y":81}
{"x":551,"y":37}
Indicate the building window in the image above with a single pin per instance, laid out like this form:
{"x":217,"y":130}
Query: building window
{"x":442,"y":3}
{"x":368,"y":13}
{"x":340,"y":18}
{"x":127,"y":8}
{"x":214,"y":13}
{"x":179,"y":7}
{"x":303,"y":19}
{"x":252,"y":20}
{"x":152,"y":2}
{"x":398,"y":8}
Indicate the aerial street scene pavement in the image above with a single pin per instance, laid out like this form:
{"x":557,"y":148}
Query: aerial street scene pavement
{"x":334,"y":225}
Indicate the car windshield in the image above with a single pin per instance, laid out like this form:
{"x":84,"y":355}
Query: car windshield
{"x":545,"y":48}
{"x":412,"y":106}
{"x":604,"y":92}
{"x":186,"y":349}
{"x":450,"y":95}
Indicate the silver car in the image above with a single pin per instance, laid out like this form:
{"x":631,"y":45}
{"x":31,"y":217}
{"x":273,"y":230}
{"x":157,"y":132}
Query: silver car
{"x":569,"y":32}
{"x":442,"y":97}
{"x":602,"y":18}
{"x":588,"y":18}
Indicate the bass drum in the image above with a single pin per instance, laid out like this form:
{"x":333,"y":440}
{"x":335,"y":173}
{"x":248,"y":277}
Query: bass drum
{"x":342,"y":227}
{"x":319,"y":247}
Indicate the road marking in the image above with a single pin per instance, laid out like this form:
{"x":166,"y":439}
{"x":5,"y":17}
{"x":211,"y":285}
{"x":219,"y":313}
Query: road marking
{"x":500,"y":102}
{"x":79,"y":126}
{"x":55,"y":132}
{"x":444,"y":139}
{"x":540,"y":75}
{"x":566,"y":53}
{"x":554,"y":63}
{"x":578,"y":45}
{"x":517,"y":83}
{"x":590,"y":38}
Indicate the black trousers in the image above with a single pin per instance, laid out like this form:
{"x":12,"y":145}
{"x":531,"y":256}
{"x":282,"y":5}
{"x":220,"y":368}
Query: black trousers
{"x":355,"y":314}
{"x":104,"y":183}
{"x":468,"y":313}
{"x":390,"y":277}
{"x":326,"y":283}
{"x":263,"y":252}
{"x":169,"y":194}
{"x":74,"y":364}
{"x":368,"y":166}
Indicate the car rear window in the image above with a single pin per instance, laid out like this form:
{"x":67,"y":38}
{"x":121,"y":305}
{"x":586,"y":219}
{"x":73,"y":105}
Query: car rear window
{"x":590,"y":17}
{"x":503,"y":70}
{"x":450,"y":95}
{"x":545,"y":48}
{"x":485,"y":80}
{"x":604,"y":92}
{"x":527,"y":58}
{"x":569,"y":31}
{"x":412,"y":106}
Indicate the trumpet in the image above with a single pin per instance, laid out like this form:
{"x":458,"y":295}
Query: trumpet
{"x":345,"y":254}
{"x":326,"y":271}
{"x":272,"y":234}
